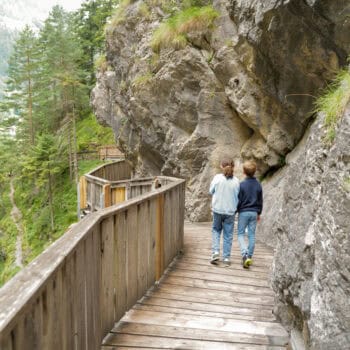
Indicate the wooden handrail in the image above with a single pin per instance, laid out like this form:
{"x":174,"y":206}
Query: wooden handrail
{"x":107,"y":185}
{"x":70,"y":296}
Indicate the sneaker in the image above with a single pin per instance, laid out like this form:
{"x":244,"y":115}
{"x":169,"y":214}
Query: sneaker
{"x":249,"y":261}
{"x":227,"y":262}
{"x":245,"y":262}
{"x":214,"y":258}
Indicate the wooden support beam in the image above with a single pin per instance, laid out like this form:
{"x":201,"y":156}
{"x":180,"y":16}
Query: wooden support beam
{"x":107,"y":196}
{"x":83,"y":193}
{"x":160,"y":237}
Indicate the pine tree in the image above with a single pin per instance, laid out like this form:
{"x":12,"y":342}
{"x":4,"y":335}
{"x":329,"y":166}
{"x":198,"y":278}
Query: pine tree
{"x":20,"y":93}
{"x":43,"y":163}
{"x":65,"y":94}
{"x":89,"y":27}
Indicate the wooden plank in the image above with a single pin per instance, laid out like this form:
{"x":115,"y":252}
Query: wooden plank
{"x":118,"y":195}
{"x":93,"y":285}
{"x":79,"y":300}
{"x":120,"y":239}
{"x":200,"y":306}
{"x":195,"y":313}
{"x":220,"y":294}
{"x":219,"y":286}
{"x":226,"y":302}
{"x":217,"y":277}
{"x":143,"y":237}
{"x":152,"y":249}
{"x":179,"y":343}
{"x":107,"y":200}
{"x":259,"y":278}
{"x":132,"y":254}
{"x":83,"y":192}
{"x":160,"y":237}
{"x":189,"y":333}
{"x":253,"y":270}
{"x":107,"y":299}
{"x":209,"y":323}
{"x":207,"y":251}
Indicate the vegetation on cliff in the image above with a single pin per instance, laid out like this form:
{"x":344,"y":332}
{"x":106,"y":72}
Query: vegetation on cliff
{"x":334,"y":101}
{"x":173,"y":32}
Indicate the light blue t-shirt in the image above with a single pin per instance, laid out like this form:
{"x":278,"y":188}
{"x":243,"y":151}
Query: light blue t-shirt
{"x":225,"y":194}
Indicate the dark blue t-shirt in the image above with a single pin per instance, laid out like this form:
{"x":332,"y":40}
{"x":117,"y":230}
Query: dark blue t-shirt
{"x":250,"y":197}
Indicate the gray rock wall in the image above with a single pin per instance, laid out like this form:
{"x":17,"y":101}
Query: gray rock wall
{"x":308,"y":222}
{"x":241,"y":89}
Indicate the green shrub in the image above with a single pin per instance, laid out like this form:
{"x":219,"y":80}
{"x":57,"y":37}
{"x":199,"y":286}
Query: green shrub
{"x":118,"y":16}
{"x":142,"y":80}
{"x":91,"y":134}
{"x":172,"y":33}
{"x":334,"y":101}
{"x":101,"y":63}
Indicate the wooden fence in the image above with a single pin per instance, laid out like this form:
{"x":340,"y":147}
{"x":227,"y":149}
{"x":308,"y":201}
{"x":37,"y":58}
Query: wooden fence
{"x":71,"y":295}
{"x":110,"y":184}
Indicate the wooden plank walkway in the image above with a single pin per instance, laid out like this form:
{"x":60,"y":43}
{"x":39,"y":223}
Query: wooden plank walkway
{"x":201,"y":306}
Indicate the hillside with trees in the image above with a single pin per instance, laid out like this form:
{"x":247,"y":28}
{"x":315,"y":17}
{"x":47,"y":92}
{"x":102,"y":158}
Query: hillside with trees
{"x":45,"y":120}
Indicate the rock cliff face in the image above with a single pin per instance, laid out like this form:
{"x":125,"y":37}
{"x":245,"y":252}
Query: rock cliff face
{"x":308,"y":223}
{"x":241,"y":89}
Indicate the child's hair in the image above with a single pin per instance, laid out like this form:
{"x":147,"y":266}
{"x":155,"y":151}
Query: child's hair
{"x":227,"y":166}
{"x":249,"y":168}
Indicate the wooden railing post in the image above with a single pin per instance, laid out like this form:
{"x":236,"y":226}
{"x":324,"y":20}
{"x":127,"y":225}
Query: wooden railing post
{"x":107,"y":196}
{"x":160,"y":237}
{"x":82,"y":192}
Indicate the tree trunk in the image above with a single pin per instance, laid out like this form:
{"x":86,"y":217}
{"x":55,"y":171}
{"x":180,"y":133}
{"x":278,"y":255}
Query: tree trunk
{"x":75,"y":156}
{"x":30,"y":104}
{"x":51,"y":204}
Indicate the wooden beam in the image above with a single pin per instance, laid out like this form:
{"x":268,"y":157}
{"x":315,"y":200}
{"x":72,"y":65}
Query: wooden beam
{"x":83,"y":194}
{"x":160,"y":237}
{"x":107,"y":196}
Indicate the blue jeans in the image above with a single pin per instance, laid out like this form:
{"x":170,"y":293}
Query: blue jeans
{"x":247,"y":219}
{"x":222,"y":222}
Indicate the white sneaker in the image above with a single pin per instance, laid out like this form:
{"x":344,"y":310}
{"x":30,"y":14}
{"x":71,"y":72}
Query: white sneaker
{"x":227,"y":262}
{"x":214,"y":258}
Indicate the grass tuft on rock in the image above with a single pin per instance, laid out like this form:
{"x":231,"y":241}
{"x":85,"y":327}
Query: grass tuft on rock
{"x":172,"y":33}
{"x":118,"y":16}
{"x":334,"y":101}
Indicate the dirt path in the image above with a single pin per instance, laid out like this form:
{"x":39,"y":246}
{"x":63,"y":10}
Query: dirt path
{"x":17,"y":218}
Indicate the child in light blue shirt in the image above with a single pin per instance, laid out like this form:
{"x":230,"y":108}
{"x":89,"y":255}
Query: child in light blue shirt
{"x":224,"y":188}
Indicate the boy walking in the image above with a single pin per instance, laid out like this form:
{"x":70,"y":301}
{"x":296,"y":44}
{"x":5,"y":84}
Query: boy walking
{"x":250,"y":204}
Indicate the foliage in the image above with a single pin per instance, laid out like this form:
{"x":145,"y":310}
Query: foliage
{"x":172,"y":33}
{"x":20,"y":93}
{"x":89,"y":27}
{"x":91,"y":134}
{"x":118,"y":16}
{"x":333,"y":102}
{"x":101,"y":64}
{"x":50,"y":78}
{"x":142,"y":80}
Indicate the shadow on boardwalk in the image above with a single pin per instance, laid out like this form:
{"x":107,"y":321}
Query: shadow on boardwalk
{"x":200,"y":306}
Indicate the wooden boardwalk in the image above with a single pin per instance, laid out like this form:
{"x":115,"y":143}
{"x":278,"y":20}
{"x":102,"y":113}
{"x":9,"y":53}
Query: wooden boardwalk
{"x":201,"y":306}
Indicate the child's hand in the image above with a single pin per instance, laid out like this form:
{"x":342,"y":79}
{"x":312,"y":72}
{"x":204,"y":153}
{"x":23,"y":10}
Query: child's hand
{"x":259,"y":218}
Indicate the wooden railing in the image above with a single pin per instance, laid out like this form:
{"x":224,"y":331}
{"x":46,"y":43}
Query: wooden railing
{"x":70,"y":296}
{"x":110,"y":184}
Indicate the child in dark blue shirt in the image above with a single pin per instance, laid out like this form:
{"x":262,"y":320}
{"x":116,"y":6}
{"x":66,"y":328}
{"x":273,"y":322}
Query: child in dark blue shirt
{"x":250,"y":204}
